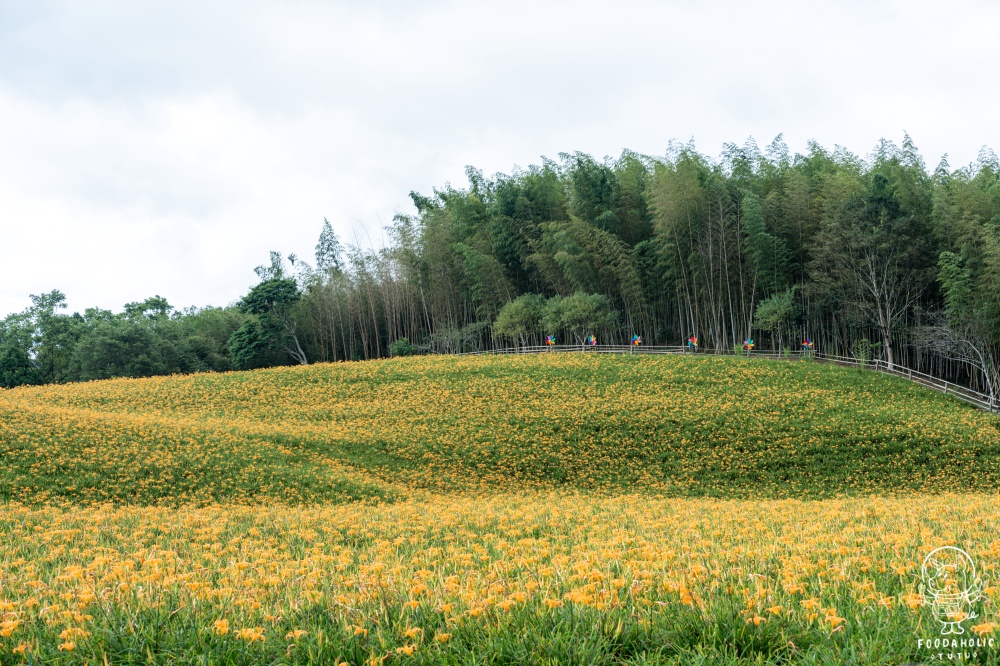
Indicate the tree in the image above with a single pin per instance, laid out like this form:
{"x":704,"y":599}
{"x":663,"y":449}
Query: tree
{"x":328,"y":250}
{"x":115,"y":348}
{"x":867,"y":258}
{"x":16,"y":369}
{"x":521,"y":318}
{"x":55,"y":334}
{"x":579,"y":314}
{"x":272,"y":302}
{"x":155,"y":307}
{"x":252,"y":346}
{"x":774,"y":314}
{"x":206,"y":332}
{"x":968,"y":328}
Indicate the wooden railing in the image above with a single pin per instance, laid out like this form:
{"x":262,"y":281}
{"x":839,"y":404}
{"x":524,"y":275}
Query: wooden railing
{"x":981,"y":400}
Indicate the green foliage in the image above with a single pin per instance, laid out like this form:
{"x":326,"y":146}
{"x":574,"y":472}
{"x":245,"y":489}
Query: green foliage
{"x":272,"y":330}
{"x":253,"y":346}
{"x":156,"y":307}
{"x":127,"y":348}
{"x":768,"y":254}
{"x":329,"y":252}
{"x":955,"y":283}
{"x":521,"y":319}
{"x":42,"y":345}
{"x":862,"y":351}
{"x":272,"y":299}
{"x":401,"y":347}
{"x":16,"y":369}
{"x":775,"y":313}
{"x":579,"y":314}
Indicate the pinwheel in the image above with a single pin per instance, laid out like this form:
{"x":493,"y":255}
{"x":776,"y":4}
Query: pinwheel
{"x":636,"y":340}
{"x":693,"y":342}
{"x":550,"y":340}
{"x":807,"y":344}
{"x":592,"y":341}
{"x":748,"y":344}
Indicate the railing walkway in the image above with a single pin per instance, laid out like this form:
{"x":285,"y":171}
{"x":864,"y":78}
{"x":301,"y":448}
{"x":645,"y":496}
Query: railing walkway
{"x":981,"y":400}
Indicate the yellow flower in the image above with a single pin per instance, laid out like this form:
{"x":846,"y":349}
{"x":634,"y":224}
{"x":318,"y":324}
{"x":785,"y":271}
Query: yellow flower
{"x":221,"y":627}
{"x":957,"y":616}
{"x":442,"y":638}
{"x":8,"y":627}
{"x":414,"y":632}
{"x":251,"y":634}
{"x":296,"y":634}
{"x":20,"y":649}
{"x":358,"y":631}
{"x":984,"y":628}
{"x":73,"y":632}
{"x":67,"y":646}
{"x":406,"y":649}
{"x":833,"y":620}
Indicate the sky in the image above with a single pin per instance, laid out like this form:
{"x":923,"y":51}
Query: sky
{"x":166,"y":147}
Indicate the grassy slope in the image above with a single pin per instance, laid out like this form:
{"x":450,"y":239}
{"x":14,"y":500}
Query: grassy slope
{"x":681,"y":426}
{"x":609,"y":577}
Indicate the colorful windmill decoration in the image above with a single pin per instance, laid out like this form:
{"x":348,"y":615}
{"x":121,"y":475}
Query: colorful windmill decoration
{"x":807,"y":344}
{"x":592,"y":340}
{"x":748,"y":344}
{"x":550,"y":340}
{"x":693,"y":342}
{"x":636,"y":340}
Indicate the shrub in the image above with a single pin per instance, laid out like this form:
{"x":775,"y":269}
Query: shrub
{"x":401,"y":347}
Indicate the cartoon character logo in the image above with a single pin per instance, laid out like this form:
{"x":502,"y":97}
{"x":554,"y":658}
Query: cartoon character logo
{"x":950,"y":586}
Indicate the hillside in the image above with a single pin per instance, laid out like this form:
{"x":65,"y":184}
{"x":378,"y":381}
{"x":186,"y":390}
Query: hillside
{"x":561,"y":508}
{"x":384,"y":430}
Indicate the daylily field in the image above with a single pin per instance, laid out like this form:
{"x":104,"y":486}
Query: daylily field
{"x":560,"y":508}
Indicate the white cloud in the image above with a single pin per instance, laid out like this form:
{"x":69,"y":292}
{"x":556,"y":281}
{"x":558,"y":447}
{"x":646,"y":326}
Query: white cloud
{"x":166,"y":147}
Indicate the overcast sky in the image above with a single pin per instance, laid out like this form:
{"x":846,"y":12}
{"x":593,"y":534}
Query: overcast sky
{"x":165,"y":147}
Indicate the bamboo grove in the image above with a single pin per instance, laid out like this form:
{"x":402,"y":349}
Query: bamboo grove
{"x":878,"y":255}
{"x":825,"y":246}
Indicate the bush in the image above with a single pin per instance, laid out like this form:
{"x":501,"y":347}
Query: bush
{"x":401,"y":347}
